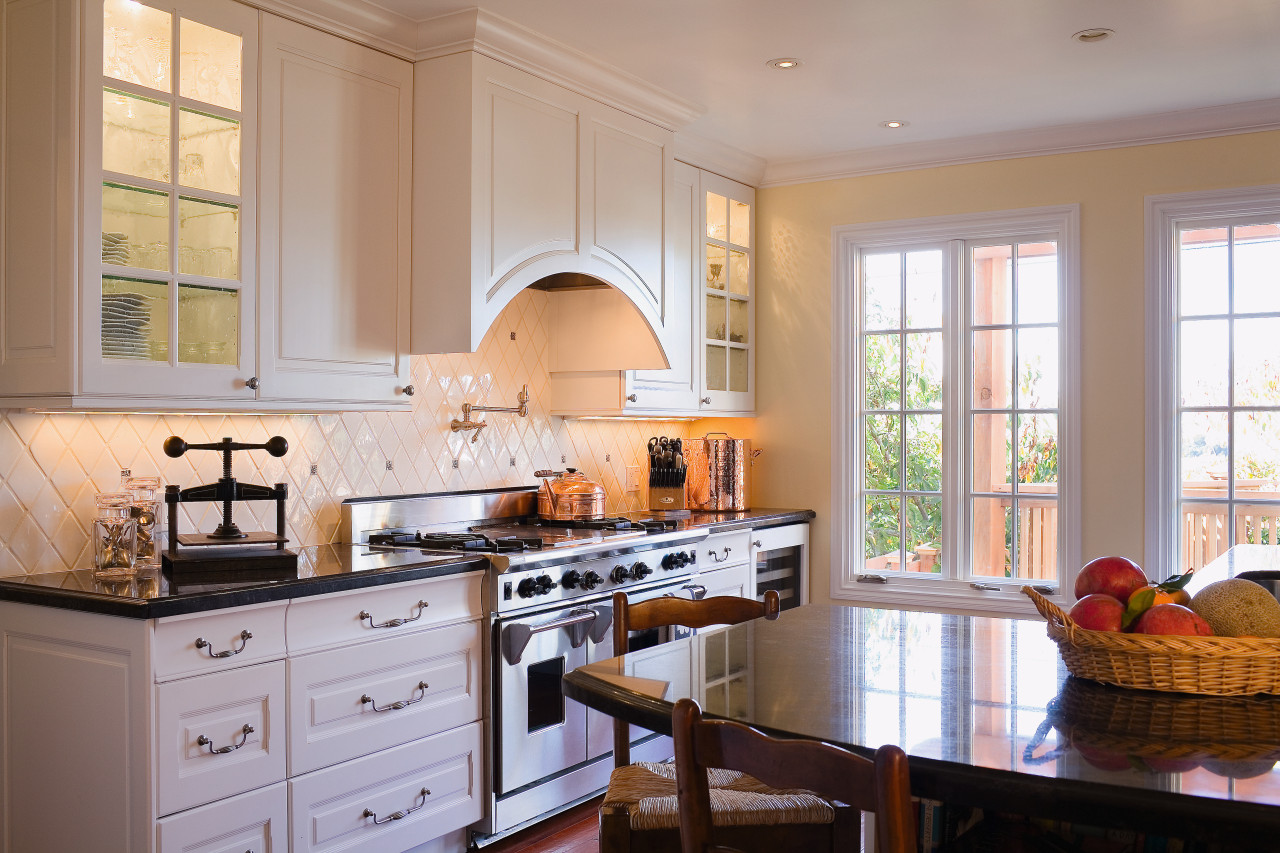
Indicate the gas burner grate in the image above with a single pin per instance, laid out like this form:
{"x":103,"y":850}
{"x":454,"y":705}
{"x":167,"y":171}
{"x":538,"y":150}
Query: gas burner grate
{"x":614,"y":524}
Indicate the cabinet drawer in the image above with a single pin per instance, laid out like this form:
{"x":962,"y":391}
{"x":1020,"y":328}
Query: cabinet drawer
{"x":377,"y":802}
{"x":345,"y":703}
{"x":210,"y":642}
{"x":239,"y":714}
{"x":256,"y":822}
{"x":724,"y":549}
{"x":731,"y":580}
{"x":384,"y":611}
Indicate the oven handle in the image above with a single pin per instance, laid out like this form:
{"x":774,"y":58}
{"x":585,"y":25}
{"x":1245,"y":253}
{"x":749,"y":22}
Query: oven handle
{"x":696,"y":592}
{"x":516,"y":635}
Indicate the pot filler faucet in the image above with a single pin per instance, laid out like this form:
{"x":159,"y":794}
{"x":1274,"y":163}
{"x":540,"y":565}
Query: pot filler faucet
{"x":466,"y":423}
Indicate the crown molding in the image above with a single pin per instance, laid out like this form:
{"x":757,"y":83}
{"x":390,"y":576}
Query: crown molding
{"x":506,"y":41}
{"x":1247,"y":117}
{"x":355,"y":20}
{"x":725,"y":160}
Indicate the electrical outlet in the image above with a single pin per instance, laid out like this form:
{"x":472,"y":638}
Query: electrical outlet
{"x":633,"y":478}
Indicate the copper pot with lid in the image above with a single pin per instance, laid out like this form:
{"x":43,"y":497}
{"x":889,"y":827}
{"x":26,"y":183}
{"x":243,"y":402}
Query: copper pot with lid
{"x":569,"y":495}
{"x":719,"y":478}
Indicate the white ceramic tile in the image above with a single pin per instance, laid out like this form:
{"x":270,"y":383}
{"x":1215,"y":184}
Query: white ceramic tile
{"x":51,"y":465}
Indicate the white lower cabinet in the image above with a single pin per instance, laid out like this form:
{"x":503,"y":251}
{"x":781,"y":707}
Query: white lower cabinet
{"x":256,"y":822}
{"x":246,"y":728}
{"x":352,"y":701}
{"x":391,"y":800}
{"x":218,"y":735}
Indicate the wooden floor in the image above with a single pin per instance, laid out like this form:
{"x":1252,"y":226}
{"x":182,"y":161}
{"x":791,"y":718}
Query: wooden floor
{"x":574,"y":831}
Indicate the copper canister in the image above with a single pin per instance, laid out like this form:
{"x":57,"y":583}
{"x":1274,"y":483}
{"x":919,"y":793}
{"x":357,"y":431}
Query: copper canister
{"x":719,"y":478}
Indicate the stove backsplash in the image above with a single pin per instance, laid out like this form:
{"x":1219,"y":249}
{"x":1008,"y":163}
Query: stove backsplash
{"x":52,"y":465}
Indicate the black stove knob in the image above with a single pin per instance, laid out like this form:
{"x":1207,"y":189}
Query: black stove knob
{"x":527,"y":588}
{"x":544,"y":584}
{"x":640,"y":571}
{"x":671,"y":561}
{"x":570,"y":579}
{"x":591,"y":580}
{"x":620,"y":574}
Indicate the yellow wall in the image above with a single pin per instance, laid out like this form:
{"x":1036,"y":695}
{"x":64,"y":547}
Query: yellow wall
{"x":793,"y":281}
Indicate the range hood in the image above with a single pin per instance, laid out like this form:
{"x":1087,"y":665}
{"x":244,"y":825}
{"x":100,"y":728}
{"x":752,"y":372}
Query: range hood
{"x":524,"y":182}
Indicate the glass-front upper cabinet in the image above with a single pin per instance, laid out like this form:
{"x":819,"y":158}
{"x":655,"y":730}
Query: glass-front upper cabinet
{"x":174,"y":97}
{"x":728,"y":284}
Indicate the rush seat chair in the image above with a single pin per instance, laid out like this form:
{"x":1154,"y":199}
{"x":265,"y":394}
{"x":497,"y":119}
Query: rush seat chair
{"x":880,"y":785}
{"x":639,"y":812}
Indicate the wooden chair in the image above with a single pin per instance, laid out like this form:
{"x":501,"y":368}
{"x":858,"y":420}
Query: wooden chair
{"x":880,"y":786}
{"x":639,"y":811}
{"x":665,"y":612}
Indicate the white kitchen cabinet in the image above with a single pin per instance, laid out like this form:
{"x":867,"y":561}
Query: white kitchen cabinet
{"x":117,"y":716}
{"x":131,"y":271}
{"x":517,"y":179}
{"x":336,"y":147}
{"x":711,"y":349}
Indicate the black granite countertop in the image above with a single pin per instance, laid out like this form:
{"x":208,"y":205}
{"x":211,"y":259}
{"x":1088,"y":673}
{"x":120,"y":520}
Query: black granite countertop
{"x":321,"y":569}
{"x":985,"y":710}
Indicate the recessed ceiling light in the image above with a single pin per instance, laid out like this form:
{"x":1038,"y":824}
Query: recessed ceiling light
{"x":784,"y":62}
{"x":894,"y":124}
{"x":1094,"y":35}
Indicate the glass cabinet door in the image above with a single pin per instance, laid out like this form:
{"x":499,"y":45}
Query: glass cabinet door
{"x":177,"y":91}
{"x":728,"y":326}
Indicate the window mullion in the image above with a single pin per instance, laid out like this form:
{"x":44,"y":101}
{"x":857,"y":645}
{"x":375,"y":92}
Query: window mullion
{"x":956,"y":388}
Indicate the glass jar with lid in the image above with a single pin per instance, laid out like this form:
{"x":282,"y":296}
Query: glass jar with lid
{"x":114,"y":537}
{"x":144,"y":505}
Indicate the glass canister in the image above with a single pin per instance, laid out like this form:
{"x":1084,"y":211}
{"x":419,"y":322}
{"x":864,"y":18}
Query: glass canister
{"x":144,"y":505}
{"x":114,"y":537}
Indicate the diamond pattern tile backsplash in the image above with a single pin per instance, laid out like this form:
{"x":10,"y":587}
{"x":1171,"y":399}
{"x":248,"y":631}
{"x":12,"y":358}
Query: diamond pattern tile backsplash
{"x":52,"y":465}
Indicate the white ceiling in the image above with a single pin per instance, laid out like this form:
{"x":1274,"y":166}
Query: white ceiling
{"x":948,"y":67}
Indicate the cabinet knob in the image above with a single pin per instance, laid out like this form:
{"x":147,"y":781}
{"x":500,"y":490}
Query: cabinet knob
{"x":631,"y":398}
{"x":758,"y":543}
{"x":407,"y":390}
{"x":253,"y":383}
{"x":706,"y":401}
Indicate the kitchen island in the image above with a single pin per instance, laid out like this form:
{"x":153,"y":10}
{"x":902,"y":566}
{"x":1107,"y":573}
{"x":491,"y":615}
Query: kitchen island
{"x":984,"y":708}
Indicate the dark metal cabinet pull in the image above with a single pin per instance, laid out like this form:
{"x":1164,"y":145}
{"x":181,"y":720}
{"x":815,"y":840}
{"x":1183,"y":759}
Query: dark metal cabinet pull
{"x":202,"y":643}
{"x":393,"y":623}
{"x":712,"y":554}
{"x":203,"y":740}
{"x":366,"y":699}
{"x":422,"y":795}
{"x":407,"y":390}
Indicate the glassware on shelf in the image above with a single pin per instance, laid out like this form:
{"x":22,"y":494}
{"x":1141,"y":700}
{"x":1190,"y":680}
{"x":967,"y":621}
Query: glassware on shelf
{"x":114,"y":537}
{"x":144,"y":507}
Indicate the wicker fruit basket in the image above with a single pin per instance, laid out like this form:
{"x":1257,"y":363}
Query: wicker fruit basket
{"x":1146,"y":725}
{"x":1210,"y":666}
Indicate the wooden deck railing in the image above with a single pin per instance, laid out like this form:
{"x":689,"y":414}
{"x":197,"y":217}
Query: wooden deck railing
{"x":1206,"y":528}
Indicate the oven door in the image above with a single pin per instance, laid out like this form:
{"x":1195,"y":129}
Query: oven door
{"x":539,"y":731}
{"x":643,"y":647}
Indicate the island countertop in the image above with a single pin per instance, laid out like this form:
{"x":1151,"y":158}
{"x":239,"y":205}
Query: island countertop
{"x":984,"y":708}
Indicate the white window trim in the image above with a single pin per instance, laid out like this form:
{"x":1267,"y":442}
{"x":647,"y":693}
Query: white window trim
{"x":932,"y":592}
{"x":1165,"y":214}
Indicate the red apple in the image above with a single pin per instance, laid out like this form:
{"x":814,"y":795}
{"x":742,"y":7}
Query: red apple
{"x":1098,"y":612}
{"x":1172,"y":619}
{"x":1117,"y":577}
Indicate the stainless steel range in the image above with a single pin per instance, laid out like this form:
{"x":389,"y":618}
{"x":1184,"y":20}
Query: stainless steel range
{"x":549,"y":590}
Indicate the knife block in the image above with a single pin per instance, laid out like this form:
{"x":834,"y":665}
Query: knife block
{"x":667,"y":499}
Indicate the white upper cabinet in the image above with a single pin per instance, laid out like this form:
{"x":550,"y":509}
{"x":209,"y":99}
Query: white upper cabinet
{"x":336,"y":147}
{"x":517,"y":179}
{"x":131,"y":202}
{"x":710,"y":342}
